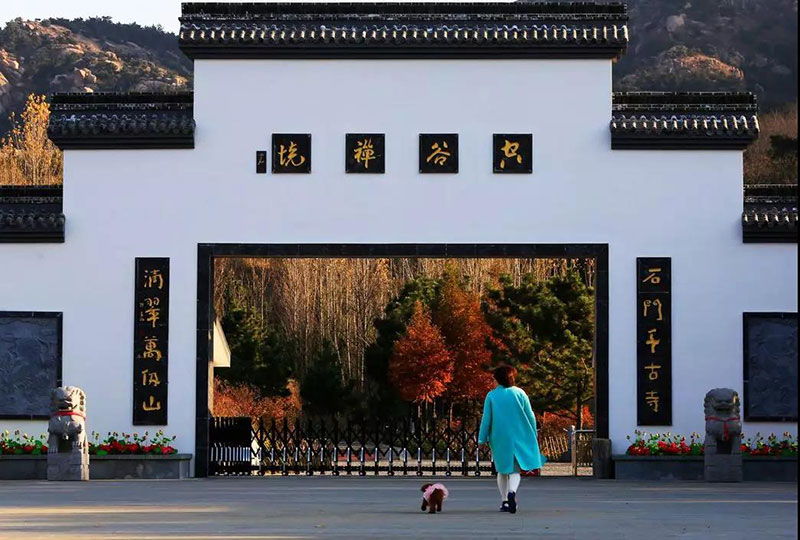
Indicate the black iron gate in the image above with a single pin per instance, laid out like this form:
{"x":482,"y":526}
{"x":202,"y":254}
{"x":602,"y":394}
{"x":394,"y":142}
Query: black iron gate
{"x":231,"y":445}
{"x":245,"y":446}
{"x":240,"y":445}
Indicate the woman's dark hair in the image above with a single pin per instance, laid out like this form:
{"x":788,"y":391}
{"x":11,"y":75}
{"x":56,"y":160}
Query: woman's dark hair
{"x":504,"y":375}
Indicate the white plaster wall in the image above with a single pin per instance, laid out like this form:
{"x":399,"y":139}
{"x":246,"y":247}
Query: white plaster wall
{"x":124,"y":204}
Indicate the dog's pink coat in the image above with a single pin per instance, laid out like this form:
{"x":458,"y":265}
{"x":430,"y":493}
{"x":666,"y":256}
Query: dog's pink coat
{"x":433,"y":487}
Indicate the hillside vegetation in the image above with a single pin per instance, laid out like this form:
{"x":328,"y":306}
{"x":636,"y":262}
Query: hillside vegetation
{"x":59,"y":55}
{"x":675,"y":45}
{"x":712,"y":45}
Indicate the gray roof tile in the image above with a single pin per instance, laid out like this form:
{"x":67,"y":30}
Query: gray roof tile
{"x":117,"y":120}
{"x":683,"y":120}
{"x":521,"y":29}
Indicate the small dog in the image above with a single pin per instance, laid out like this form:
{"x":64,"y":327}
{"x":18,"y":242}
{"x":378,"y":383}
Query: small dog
{"x":433,"y":495}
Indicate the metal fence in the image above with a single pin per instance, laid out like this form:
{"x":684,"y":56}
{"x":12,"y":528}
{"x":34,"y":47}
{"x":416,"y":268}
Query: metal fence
{"x":580,"y":442}
{"x":244,"y":446}
{"x":555,"y":447}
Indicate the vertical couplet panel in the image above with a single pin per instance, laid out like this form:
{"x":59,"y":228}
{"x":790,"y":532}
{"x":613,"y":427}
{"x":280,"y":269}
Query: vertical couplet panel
{"x":150,"y":342}
{"x":654,"y":341}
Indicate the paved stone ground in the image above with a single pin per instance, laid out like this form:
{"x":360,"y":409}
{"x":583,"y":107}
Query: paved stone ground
{"x":388,"y":508}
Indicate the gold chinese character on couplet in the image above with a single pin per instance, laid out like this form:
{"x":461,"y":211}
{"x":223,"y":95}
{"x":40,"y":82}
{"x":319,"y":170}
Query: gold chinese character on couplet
{"x":652,"y":400}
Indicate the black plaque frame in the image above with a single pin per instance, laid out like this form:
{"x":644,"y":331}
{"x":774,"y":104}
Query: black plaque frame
{"x":153,"y":361}
{"x":58,"y":316}
{"x":352,"y":166}
{"x":426,"y":140}
{"x":261,"y":162}
{"x":654,"y":314}
{"x":512,"y":166}
{"x":303,"y":142}
{"x":747,"y":318}
{"x":206,"y":253}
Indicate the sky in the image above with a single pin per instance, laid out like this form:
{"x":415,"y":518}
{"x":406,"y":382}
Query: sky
{"x":144,"y":12}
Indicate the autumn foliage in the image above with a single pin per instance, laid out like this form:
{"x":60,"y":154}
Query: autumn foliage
{"x":772,"y":158}
{"x":421,"y":366}
{"x":27,"y":156}
{"x":461,"y":321}
{"x":553,"y":424}
{"x":246,"y":400}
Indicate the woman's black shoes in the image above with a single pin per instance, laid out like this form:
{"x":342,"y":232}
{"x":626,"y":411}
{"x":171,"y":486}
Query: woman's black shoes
{"x":512,"y":502}
{"x":504,"y":506}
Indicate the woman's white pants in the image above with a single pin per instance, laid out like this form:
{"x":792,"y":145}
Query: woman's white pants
{"x":507,"y":483}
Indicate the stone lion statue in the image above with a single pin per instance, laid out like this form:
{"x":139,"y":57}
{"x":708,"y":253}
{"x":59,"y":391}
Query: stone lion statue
{"x":68,"y":444}
{"x":723,"y":422}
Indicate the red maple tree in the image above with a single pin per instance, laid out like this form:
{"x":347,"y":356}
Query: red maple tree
{"x":465,"y":332}
{"x":421,"y":366}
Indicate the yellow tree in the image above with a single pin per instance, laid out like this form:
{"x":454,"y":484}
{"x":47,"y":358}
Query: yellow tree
{"x":27,"y":156}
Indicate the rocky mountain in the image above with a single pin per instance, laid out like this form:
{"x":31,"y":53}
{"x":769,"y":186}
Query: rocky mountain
{"x":712,"y":45}
{"x":675,"y":45}
{"x":59,"y":55}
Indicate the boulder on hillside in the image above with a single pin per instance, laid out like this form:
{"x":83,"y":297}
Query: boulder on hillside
{"x":682,"y":69}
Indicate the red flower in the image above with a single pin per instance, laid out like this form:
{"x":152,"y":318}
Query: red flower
{"x":27,"y":448}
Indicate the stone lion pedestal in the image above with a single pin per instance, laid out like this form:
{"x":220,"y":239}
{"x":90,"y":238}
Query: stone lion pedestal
{"x":68,"y":444}
{"x":722,"y":446}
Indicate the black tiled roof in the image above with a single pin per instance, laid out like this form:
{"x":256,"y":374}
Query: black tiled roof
{"x":404,"y":30}
{"x":683,"y":120}
{"x":31,"y":214}
{"x":770,"y":214}
{"x":121,"y":120}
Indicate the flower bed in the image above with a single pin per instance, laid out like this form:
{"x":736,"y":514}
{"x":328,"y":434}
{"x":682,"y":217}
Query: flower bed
{"x":131,"y":444}
{"x":113,"y":444}
{"x":117,"y":456}
{"x":658,"y":444}
{"x":653,"y":456}
{"x":18,"y":444}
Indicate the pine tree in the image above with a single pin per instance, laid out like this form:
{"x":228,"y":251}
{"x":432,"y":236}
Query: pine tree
{"x":260,"y":355}
{"x":322,"y":388}
{"x":546,"y":329}
{"x":421,"y":366}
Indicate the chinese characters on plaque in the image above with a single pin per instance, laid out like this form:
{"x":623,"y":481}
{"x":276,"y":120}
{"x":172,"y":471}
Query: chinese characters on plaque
{"x":150,"y":335}
{"x":365,"y":153}
{"x":654,"y":341}
{"x":438,"y":153}
{"x":291,"y":153}
{"x":512,"y":153}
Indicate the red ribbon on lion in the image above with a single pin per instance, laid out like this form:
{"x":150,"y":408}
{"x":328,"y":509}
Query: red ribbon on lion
{"x":724,"y":424}
{"x":68,"y":413}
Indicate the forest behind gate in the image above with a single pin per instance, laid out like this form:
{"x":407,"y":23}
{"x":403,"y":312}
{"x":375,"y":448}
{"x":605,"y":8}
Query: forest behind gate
{"x":395,"y":337}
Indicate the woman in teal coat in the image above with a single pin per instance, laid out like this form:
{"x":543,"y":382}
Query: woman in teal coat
{"x":509,"y":428}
